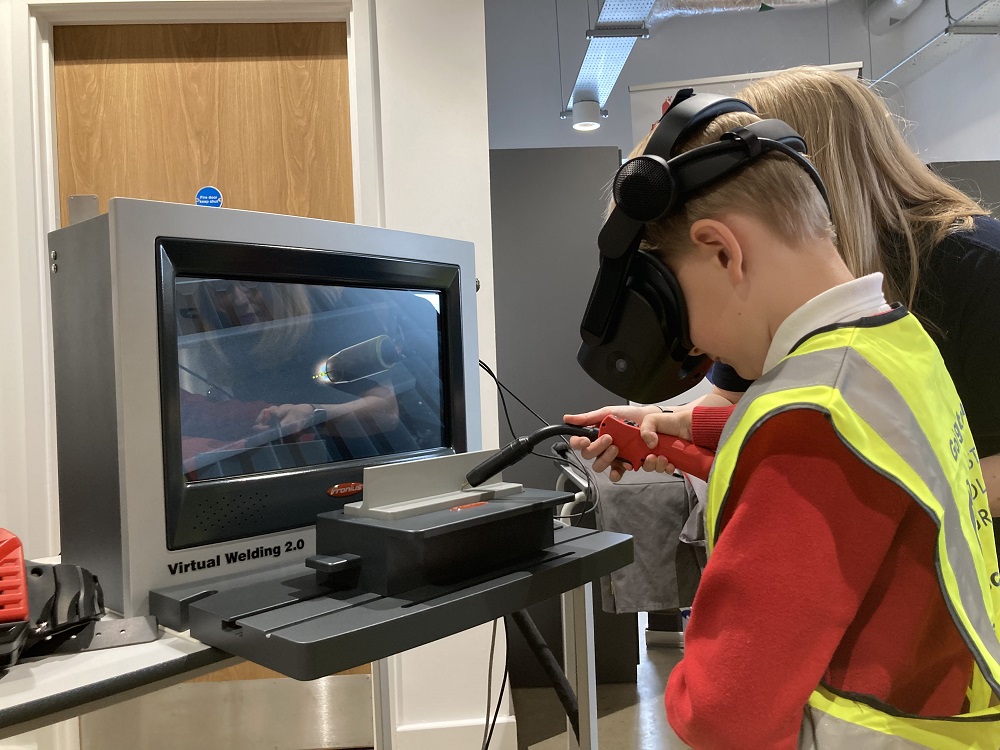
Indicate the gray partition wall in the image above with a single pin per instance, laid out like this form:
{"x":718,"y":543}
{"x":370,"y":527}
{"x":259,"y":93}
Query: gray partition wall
{"x":548,"y":206}
{"x":980,"y":179}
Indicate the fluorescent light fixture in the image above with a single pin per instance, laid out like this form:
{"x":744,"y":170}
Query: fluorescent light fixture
{"x":619,"y":24}
{"x":586,"y":115}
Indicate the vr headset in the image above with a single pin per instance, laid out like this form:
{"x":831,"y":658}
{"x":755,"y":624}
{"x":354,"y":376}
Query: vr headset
{"x":635,"y":329}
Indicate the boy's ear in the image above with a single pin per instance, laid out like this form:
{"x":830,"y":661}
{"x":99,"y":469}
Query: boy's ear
{"x":714,"y":238}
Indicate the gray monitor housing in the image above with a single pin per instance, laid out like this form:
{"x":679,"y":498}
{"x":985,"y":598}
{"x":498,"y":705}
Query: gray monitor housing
{"x":110,"y":434}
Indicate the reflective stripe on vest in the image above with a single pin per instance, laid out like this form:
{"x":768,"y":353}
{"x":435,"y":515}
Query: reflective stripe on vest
{"x":886,"y":392}
{"x":832,"y":722}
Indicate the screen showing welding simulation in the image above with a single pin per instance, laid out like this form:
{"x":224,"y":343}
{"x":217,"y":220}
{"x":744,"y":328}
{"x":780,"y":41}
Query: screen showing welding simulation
{"x":279,"y":375}
{"x":285,"y":372}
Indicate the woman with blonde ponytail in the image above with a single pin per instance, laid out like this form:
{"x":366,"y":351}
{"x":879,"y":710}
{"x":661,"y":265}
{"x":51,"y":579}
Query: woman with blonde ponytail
{"x":937,"y":249}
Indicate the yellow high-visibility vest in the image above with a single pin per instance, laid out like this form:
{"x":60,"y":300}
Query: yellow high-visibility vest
{"x":884,"y":387}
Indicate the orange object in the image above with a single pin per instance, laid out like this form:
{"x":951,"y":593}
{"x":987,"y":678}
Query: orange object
{"x":13,"y":581}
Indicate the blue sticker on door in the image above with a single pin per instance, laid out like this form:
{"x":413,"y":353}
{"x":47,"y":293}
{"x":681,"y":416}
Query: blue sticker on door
{"x":208,"y":196}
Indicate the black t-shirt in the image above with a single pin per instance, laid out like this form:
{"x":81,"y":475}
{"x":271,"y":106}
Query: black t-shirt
{"x":959,"y":306}
{"x":958,"y":302}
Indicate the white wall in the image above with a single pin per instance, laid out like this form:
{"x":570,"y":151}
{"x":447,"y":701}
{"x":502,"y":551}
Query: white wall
{"x":435,"y":146}
{"x":435,"y":150}
{"x":955,"y":108}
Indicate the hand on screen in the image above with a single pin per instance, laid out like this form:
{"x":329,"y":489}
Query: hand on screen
{"x":288,"y":418}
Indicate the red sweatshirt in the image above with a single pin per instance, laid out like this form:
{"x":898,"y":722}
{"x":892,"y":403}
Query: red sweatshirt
{"x":824,"y":571}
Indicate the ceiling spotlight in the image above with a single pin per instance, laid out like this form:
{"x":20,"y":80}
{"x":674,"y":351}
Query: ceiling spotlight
{"x":586,"y":115}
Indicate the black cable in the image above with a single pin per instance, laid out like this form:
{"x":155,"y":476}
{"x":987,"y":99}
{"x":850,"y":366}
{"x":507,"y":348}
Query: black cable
{"x":562,"y":96}
{"x":555,"y":673}
{"x":521,"y":618}
{"x":502,"y":387}
{"x":503,"y":401}
{"x":493,"y":724}
{"x":489,"y":683}
{"x":591,"y":488}
{"x":593,"y":492}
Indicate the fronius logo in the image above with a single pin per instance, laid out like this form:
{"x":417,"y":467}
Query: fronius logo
{"x":345,"y":489}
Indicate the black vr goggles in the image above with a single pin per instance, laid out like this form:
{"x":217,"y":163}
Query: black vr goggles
{"x":635,"y":329}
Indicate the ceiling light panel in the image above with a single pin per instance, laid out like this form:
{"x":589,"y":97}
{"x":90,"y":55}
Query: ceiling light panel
{"x":607,"y":54}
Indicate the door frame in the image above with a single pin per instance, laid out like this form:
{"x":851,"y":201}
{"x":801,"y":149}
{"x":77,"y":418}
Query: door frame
{"x":37,"y":209}
{"x":37,"y":187}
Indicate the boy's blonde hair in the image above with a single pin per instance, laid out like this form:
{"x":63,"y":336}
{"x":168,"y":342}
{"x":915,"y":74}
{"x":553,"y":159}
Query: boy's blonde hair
{"x":890,"y":210}
{"x":773,"y":189}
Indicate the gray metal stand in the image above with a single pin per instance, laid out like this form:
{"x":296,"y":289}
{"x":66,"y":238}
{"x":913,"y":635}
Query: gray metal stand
{"x":381,"y":700}
{"x":578,"y":652}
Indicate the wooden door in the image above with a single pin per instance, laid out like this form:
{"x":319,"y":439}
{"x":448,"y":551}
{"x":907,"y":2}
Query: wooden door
{"x":258,"y":111}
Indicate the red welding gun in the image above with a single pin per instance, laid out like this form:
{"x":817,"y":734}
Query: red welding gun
{"x":683,"y":454}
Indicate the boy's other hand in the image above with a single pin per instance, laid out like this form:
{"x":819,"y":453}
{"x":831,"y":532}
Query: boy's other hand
{"x":603,"y":451}
{"x":676,"y":421}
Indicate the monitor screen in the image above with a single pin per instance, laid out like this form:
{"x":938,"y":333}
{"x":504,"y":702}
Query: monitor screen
{"x":286,"y":371}
{"x":277,"y":375}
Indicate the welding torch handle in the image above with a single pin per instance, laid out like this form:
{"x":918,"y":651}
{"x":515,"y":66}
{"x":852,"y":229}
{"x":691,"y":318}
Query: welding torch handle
{"x":517,"y":449}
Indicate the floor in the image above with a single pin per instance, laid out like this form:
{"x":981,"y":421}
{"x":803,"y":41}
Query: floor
{"x":630,"y":716}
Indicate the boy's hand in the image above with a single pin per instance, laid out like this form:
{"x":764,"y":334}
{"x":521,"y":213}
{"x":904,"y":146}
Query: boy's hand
{"x":604,"y":453}
{"x":650,"y":420}
{"x":676,"y":421}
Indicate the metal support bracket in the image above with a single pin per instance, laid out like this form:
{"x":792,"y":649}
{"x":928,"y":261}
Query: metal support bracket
{"x":98,"y":634}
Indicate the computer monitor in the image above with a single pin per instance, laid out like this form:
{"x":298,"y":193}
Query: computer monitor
{"x":288,"y":370}
{"x":224,"y":376}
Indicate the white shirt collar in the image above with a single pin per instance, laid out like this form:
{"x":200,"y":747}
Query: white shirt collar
{"x":854,"y":299}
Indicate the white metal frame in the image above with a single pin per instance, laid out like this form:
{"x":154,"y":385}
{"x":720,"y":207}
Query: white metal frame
{"x":578,"y":656}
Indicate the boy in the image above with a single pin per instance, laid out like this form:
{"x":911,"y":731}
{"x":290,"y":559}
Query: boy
{"x":848,"y":595}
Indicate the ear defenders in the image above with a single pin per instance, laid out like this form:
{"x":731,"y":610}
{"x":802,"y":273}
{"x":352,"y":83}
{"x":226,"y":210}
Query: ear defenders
{"x":635,"y":329}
